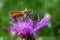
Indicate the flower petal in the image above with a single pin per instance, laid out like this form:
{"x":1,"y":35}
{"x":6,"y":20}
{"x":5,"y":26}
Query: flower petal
{"x":38,"y":18}
{"x":45,"y":21}
{"x":14,"y":17}
{"x":34,"y":14}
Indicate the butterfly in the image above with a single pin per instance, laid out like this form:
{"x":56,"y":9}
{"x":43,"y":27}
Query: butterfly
{"x":16,"y":14}
{"x":20,"y":13}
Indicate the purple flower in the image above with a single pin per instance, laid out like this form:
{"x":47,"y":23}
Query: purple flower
{"x":26,"y":27}
{"x":1,"y":5}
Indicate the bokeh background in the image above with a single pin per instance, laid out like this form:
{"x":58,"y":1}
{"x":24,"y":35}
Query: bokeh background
{"x":50,"y":32}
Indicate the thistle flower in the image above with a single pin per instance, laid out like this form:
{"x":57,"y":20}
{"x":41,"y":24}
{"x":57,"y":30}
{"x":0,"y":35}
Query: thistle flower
{"x":27,"y":27}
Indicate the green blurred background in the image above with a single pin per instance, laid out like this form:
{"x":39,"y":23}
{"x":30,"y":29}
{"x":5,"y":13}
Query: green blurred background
{"x":50,"y":32}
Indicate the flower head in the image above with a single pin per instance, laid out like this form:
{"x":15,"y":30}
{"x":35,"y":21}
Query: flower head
{"x":25,"y":27}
